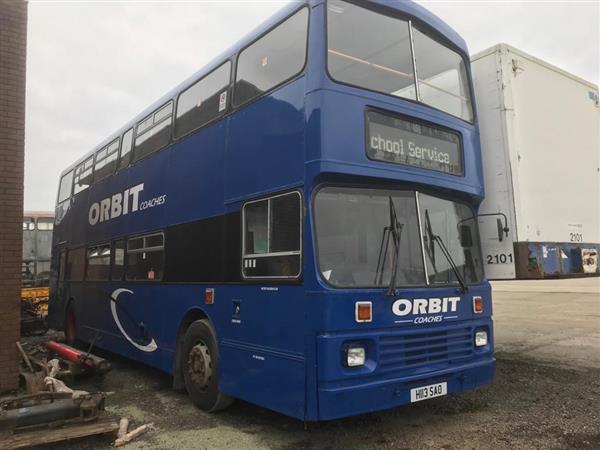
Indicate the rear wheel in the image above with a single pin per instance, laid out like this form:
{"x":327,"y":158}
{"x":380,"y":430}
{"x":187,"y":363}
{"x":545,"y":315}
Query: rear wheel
{"x":200,"y":367}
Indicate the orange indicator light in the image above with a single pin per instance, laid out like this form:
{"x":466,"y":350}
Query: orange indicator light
{"x":363,"y":312}
{"x":209,"y":296}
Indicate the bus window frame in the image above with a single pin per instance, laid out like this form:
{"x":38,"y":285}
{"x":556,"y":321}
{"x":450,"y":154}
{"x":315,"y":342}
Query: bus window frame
{"x":294,"y":77}
{"x":129,"y":153}
{"x":134,"y":148}
{"x":87,"y":261}
{"x":413,"y":22}
{"x":68,"y":271}
{"x":91,"y":157}
{"x":427,"y":190}
{"x":106,"y":148}
{"x":300,"y":252}
{"x":228,"y":104}
{"x":163,"y":248}
{"x":72,"y":172}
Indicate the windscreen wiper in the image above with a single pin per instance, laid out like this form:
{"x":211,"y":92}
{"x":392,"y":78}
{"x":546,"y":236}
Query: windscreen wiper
{"x":395,"y":231}
{"x":435,"y":238}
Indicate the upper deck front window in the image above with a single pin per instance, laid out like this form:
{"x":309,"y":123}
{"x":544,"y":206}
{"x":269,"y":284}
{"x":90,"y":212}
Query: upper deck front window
{"x":386,"y":54}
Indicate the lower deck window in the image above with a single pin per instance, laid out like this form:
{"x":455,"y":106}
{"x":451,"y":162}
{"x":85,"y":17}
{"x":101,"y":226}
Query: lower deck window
{"x":118,"y":264}
{"x":145,"y":258}
{"x":76,"y":264}
{"x":272,"y":237}
{"x":98,"y":263}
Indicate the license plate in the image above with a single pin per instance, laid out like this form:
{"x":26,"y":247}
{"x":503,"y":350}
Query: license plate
{"x":426,"y":392}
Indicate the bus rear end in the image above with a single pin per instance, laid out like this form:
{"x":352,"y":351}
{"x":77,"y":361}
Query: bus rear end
{"x":405,"y":313}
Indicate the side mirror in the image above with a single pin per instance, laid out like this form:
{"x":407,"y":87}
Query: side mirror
{"x":466,"y":238}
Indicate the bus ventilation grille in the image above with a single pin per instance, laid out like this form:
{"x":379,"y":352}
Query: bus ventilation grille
{"x":398,"y":351}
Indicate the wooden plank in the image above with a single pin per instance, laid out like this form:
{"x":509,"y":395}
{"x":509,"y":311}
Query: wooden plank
{"x":49,"y":436}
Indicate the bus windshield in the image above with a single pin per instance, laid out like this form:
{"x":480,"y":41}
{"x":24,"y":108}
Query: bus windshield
{"x":354,"y":251}
{"x":381,"y":53}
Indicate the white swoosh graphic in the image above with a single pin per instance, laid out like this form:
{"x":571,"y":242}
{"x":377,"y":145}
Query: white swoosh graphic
{"x":113,"y":307}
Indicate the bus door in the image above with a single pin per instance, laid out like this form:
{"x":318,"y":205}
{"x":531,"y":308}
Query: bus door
{"x":266,"y":323}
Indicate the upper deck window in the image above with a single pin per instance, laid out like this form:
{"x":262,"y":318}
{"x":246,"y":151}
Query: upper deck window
{"x":154,"y":132}
{"x":203,"y":101}
{"x":442,"y":77}
{"x":83,"y":175}
{"x":126,"y":146}
{"x":66,"y":185}
{"x":381,"y":53}
{"x":370,"y":50}
{"x":106,"y":161}
{"x":274,"y":58}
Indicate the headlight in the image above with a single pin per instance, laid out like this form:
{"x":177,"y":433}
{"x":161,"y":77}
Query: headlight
{"x":355,"y":356}
{"x":481,"y":338}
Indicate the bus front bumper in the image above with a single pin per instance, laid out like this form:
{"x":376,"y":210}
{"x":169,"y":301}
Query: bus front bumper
{"x":342,"y":401}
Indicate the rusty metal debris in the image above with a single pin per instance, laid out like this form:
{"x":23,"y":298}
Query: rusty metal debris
{"x":49,"y":409}
{"x":52,"y":411}
{"x":83,"y":360}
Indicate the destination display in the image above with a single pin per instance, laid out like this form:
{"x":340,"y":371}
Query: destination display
{"x":395,"y":140}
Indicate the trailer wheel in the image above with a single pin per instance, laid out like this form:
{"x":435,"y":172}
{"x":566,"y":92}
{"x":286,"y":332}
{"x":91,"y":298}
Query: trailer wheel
{"x":200,"y":367}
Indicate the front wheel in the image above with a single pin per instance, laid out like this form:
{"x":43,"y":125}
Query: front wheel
{"x":200,"y":367}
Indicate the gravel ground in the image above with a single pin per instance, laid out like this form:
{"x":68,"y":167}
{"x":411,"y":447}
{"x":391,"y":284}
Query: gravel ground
{"x":544,"y":395}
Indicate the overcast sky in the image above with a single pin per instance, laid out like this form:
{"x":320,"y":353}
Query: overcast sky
{"x":91,"y":66}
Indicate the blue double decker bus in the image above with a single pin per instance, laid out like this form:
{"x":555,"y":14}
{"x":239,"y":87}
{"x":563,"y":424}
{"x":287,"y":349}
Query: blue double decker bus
{"x":296,"y":224}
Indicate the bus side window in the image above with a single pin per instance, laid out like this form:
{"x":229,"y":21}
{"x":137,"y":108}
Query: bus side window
{"x":83,"y":175}
{"x":272,"y":237}
{"x":273,"y":59}
{"x":126,"y":147}
{"x":145,"y":258}
{"x":64,"y":195}
{"x":203,"y":101}
{"x":106,"y":161}
{"x":153,"y":132}
{"x":76,"y":264}
{"x":98,"y":263}
{"x":118,"y":260}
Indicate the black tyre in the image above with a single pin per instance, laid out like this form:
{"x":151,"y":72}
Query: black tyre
{"x":71,"y":326}
{"x":200,"y":367}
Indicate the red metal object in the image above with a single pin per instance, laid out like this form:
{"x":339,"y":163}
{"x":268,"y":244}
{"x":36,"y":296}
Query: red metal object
{"x":78,"y":357}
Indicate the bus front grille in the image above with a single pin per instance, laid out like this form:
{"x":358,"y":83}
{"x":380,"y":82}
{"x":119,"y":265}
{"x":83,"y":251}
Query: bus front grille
{"x":413,"y":349}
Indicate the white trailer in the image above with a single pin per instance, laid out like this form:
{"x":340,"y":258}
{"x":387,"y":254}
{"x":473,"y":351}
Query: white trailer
{"x":540,"y":138}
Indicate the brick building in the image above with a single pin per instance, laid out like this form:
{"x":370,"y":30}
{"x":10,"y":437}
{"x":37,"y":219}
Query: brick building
{"x":13,"y":39}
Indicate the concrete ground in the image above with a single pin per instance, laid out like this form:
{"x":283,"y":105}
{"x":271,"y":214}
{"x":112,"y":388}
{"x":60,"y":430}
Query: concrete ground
{"x":546,"y":393}
{"x":557,"y":321}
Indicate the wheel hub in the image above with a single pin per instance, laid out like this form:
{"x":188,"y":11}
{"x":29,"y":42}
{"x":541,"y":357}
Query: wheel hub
{"x":200,"y":365}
